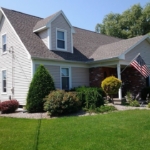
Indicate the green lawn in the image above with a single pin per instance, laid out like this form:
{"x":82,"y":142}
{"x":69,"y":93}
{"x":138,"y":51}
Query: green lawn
{"x":125,"y":130}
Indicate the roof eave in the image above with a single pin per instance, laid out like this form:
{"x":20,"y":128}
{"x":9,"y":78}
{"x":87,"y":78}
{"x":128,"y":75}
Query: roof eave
{"x":84,"y":62}
{"x":40,"y":29}
{"x":103,"y":60}
{"x":39,"y":58}
{"x":125,"y":52}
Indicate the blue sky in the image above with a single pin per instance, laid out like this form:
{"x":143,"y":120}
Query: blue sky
{"x":81,"y":13}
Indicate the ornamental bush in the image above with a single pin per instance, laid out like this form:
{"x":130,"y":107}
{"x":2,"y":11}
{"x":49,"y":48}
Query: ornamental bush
{"x":40,"y":86}
{"x":111,"y":85}
{"x":60,"y":102}
{"x":9,"y":106}
{"x":134,"y":103}
{"x":91,"y":97}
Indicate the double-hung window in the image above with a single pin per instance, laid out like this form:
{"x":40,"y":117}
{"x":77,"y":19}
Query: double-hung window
{"x":4,"y":43}
{"x":4,"y":87}
{"x":61,"y":39}
{"x":65,"y":78}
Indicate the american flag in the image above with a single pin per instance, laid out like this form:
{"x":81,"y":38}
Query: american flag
{"x":140,"y":65}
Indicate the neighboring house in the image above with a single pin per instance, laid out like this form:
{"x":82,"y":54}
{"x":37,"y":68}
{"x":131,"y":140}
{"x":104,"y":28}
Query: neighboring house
{"x":73,"y":56}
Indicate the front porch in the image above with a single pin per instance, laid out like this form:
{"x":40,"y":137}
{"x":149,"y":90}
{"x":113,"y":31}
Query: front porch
{"x":131,"y":79}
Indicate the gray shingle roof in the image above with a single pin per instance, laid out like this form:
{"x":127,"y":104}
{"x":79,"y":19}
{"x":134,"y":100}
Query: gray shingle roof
{"x":44,"y":21}
{"x":88,"y":45}
{"x":114,"y":49}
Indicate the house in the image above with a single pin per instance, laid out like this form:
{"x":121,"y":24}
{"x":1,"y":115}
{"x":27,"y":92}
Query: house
{"x":73,"y":56}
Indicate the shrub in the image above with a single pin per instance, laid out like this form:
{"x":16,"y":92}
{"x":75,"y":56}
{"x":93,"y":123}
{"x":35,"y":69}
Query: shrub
{"x":9,"y":106}
{"x":60,"y":102}
{"x":40,"y":86}
{"x":144,"y":93}
{"x":134,"y":103}
{"x":129,"y":97}
{"x":148,"y":105}
{"x":111,"y":85}
{"x":91,"y":97}
{"x":105,"y":108}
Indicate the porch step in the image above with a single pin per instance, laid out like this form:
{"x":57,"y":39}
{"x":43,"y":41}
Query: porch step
{"x":117,"y":101}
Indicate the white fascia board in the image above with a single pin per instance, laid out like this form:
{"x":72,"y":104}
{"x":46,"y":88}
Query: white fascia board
{"x":124,"y":53}
{"x":60,"y":62}
{"x":103,"y":60}
{"x":40,"y":29}
{"x":122,"y":56}
{"x":76,"y":63}
{"x":29,"y":56}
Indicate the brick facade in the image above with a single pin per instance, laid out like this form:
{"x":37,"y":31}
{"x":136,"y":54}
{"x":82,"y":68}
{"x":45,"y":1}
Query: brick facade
{"x":132,"y":80}
{"x":98,"y":74}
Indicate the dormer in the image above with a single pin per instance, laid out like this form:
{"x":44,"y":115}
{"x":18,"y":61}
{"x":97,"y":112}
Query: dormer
{"x":56,"y":32}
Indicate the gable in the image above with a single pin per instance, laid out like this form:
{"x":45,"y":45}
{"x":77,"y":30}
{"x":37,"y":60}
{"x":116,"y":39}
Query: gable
{"x":143,"y":48}
{"x":61,"y":23}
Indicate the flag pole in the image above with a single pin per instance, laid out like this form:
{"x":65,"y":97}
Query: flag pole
{"x":130,"y":62}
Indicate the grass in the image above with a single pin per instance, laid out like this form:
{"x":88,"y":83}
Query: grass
{"x":123,"y":130}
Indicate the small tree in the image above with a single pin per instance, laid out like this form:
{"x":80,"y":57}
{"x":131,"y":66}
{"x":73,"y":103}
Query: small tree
{"x":111,"y":85}
{"x":40,"y":86}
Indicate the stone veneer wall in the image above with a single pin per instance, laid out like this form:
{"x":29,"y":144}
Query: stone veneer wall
{"x":132,"y":80}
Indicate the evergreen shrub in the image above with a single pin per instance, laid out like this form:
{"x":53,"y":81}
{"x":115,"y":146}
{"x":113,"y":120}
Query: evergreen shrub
{"x":91,"y":97}
{"x":40,"y":86}
{"x":111,"y":85}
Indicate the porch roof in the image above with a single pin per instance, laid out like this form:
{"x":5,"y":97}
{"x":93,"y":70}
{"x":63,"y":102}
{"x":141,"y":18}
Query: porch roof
{"x":116,"y":49}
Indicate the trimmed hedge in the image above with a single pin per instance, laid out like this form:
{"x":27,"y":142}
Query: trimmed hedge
{"x":111,"y":85}
{"x":91,"y":97}
{"x":9,"y":106}
{"x":60,"y":102}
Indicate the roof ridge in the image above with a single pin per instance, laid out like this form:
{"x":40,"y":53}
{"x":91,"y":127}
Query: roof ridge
{"x":98,"y":33}
{"x":21,"y":13}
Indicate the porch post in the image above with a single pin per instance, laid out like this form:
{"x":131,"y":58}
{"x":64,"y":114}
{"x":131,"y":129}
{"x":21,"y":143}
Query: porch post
{"x":119,"y":77}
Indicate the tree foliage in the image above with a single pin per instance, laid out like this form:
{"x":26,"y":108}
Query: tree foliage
{"x":132,"y":22}
{"x":40,"y":86}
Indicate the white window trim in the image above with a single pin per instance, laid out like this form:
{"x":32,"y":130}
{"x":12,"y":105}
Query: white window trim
{"x":70,"y":79}
{"x":2,"y":81}
{"x":2,"y":43}
{"x":65,"y":36}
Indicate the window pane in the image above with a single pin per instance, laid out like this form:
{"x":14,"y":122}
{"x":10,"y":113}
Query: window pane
{"x":65,"y":72}
{"x":4,"y":83}
{"x":61,"y":44}
{"x":60,"y":35}
{"x":4,"y":39}
{"x":65,"y":83}
{"x":4,"y":90}
{"x":4,"y":74}
{"x":4,"y":47}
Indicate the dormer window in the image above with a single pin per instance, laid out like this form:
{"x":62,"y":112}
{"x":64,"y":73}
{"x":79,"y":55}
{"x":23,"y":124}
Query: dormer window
{"x":61,"y":39}
{"x":4,"y":41}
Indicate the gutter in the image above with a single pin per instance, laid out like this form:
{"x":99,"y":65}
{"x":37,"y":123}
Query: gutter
{"x":78,"y":62}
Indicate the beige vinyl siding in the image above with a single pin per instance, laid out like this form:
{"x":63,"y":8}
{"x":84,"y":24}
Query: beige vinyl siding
{"x":21,"y":65}
{"x":60,"y":23}
{"x":143,"y":48}
{"x":44,"y":36}
{"x":80,"y":76}
{"x":54,"y":72}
